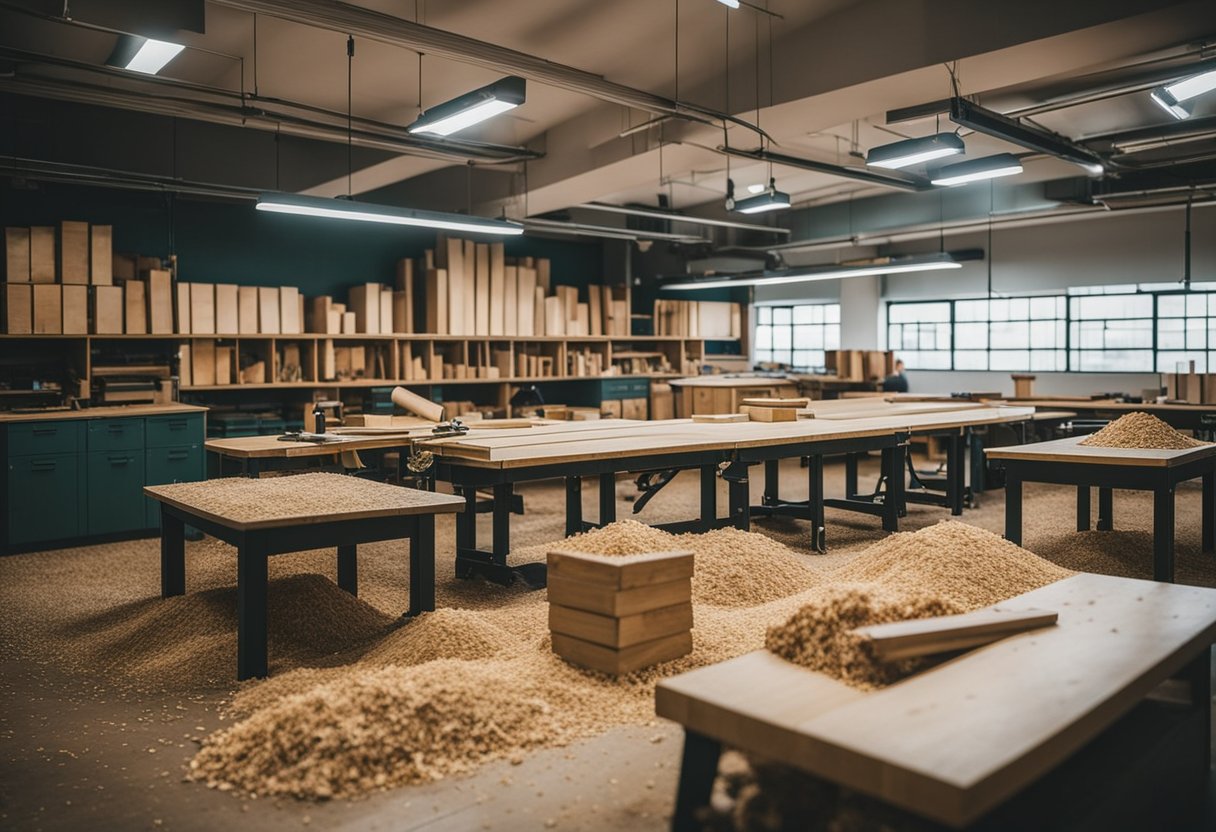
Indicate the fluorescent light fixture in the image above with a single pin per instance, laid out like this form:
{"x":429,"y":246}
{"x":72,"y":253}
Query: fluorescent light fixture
{"x":990,"y":167}
{"x":1188,"y":88}
{"x":884,"y":265}
{"x":967,"y":114}
{"x":472,"y":107}
{"x":345,"y":209}
{"x":606,"y":232}
{"x":662,"y":215}
{"x":914,"y":151}
{"x":734,"y":4}
{"x":770,"y":199}
{"x":1166,"y":101}
{"x":757,"y":188}
{"x":146,"y":55}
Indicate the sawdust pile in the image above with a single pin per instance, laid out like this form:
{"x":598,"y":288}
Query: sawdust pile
{"x":733,"y":568}
{"x":1140,"y":430}
{"x":962,"y":564}
{"x":818,"y":636}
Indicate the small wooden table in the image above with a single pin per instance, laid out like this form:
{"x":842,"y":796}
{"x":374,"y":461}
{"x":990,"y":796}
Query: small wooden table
{"x":956,"y":743}
{"x":1067,"y":462}
{"x":255,"y":454}
{"x":264,"y":517}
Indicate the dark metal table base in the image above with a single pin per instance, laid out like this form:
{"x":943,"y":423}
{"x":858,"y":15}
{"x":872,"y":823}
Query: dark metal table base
{"x":255,"y":546}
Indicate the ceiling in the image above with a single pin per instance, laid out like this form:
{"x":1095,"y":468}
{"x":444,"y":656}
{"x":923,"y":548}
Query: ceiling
{"x":818,"y":76}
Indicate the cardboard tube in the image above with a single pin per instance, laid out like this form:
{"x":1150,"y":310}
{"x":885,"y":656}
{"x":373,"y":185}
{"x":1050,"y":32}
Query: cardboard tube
{"x":417,"y":405}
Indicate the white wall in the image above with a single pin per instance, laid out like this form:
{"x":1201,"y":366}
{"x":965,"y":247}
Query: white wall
{"x":1045,"y":384}
{"x":860,"y":312}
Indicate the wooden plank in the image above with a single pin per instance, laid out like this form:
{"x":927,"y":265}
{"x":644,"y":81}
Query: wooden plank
{"x":610,"y":631}
{"x":608,"y":600}
{"x":484,"y":298}
{"x":107,"y":310}
{"x":943,"y":634}
{"x":289,"y":310}
{"x":202,"y":308}
{"x":17,"y":255}
{"x":74,"y":252}
{"x":227,"y":309}
{"x":269,"y":319}
{"x":770,"y":414}
{"x":453,"y":252}
{"x":101,"y":255}
{"x":621,"y":571}
{"x":624,"y":660}
{"x":18,"y":308}
{"x":247,"y":313}
{"x":469,"y":288}
{"x":405,"y":285}
{"x":75,"y":309}
{"x":1070,"y":450}
{"x":510,"y":303}
{"x":525,"y":302}
{"x":42,"y":254}
{"x":135,"y":307}
{"x":160,"y":303}
{"x":755,"y":401}
{"x":720,"y":418}
{"x":102,"y":412}
{"x":498,"y":290}
{"x":202,"y":362}
{"x":596,"y":309}
{"x":364,"y":301}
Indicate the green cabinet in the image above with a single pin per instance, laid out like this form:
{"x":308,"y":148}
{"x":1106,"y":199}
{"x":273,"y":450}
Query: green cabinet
{"x":624,"y":388}
{"x":81,"y":477}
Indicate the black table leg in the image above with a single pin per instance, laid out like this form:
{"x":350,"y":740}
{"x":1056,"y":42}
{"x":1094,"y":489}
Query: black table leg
{"x":698,"y":768}
{"x":956,"y":476}
{"x":893,"y":501}
{"x":250,"y":611}
{"x":607,"y":499}
{"x":172,"y":554}
{"x":1083,"y":504}
{"x":1013,"y":507}
{"x":1198,"y":672}
{"x":1106,"y":509}
{"x":1163,"y":534}
{"x":422,"y":564}
{"x":348,"y":568}
{"x":739,"y":496}
{"x":466,"y":521}
{"x":850,"y":476}
{"x":502,"y":521}
{"x":814,"y":501}
{"x":574,"y":505}
{"x":772,"y":482}
{"x":709,"y":497}
{"x":1209,"y":511}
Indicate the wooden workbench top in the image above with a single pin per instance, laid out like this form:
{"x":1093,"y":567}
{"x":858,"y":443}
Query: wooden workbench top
{"x":958,"y":740}
{"x":110,"y":412}
{"x":1111,"y":405}
{"x":245,"y":503}
{"x":262,"y":447}
{"x":730,"y":381}
{"x":1070,"y":449}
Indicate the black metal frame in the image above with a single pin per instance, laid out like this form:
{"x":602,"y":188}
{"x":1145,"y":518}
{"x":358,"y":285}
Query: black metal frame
{"x":255,"y":546}
{"x":1161,"y":480}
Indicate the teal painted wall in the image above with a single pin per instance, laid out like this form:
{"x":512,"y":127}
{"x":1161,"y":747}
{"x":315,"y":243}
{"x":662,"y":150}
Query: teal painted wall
{"x":219,"y":241}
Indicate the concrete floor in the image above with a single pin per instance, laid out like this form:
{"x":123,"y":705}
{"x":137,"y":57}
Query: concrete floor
{"x":78,"y":753}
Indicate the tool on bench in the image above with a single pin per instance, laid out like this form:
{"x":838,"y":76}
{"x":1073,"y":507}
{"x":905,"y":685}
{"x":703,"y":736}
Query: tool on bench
{"x":305,"y":436}
{"x":650,"y":483}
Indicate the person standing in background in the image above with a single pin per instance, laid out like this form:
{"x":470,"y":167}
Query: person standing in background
{"x":897,"y":382}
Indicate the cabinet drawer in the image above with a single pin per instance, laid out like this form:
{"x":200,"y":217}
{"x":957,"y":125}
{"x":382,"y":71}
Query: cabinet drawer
{"x":116,"y":435}
{"x":115,"y":491}
{"x":182,"y":463}
{"x":44,"y":497}
{"x":40,"y":438}
{"x":174,"y":429}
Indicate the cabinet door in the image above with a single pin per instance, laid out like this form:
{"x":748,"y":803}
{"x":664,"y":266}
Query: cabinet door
{"x":122,"y":434}
{"x":44,"y":498}
{"x":115,"y":487}
{"x":52,"y":436}
{"x":164,"y":465}
{"x":173,"y":430}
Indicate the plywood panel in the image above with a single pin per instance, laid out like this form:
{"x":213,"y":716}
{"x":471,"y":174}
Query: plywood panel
{"x":18,"y":308}
{"x":269,"y":320}
{"x":405,"y":285}
{"x":48,"y":309}
{"x":42,"y":254}
{"x":227,"y":309}
{"x":437,"y":301}
{"x":135,"y":307}
{"x":469,"y":288}
{"x":160,"y":302}
{"x":525,"y":324}
{"x":364,"y":301}
{"x":17,"y":255}
{"x":247,"y":316}
{"x":289,"y":311}
{"x":202,"y":308}
{"x":497,"y":289}
{"x":75,"y":309}
{"x":181,"y":307}
{"x":484,"y":297}
{"x":74,"y":252}
{"x":101,"y":255}
{"x":510,"y":304}
{"x":107,"y":310}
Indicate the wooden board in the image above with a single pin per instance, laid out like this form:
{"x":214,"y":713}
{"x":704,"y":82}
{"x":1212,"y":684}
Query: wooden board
{"x":768,"y":402}
{"x":227,"y":309}
{"x":17,"y":255}
{"x":270,"y":447}
{"x":247,"y":310}
{"x":469,"y":288}
{"x":525,"y":302}
{"x":103,"y":412}
{"x":160,"y":303}
{"x":498,"y":278}
{"x":75,"y":309}
{"x":19,"y":308}
{"x":107,"y":310}
{"x":42,"y":254}
{"x":202,"y":362}
{"x":202,"y":308}
{"x":720,"y":418}
{"x":482,"y":291}
{"x":510,"y":301}
{"x":625,"y":631}
{"x":625,"y":660}
{"x":48,"y":309}
{"x":437,"y":301}
{"x":944,"y":634}
{"x":960,"y":739}
{"x":404,"y":319}
{"x":1070,"y":450}
{"x":289,"y":311}
{"x":364,"y":301}
{"x":269,"y":319}
{"x":607,"y":600}
{"x":769,"y":414}
{"x":74,"y":252}
{"x":621,"y":571}
{"x":101,"y":255}
{"x":135,"y":307}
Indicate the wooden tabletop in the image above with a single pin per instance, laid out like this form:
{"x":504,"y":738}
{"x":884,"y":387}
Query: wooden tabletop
{"x":108,"y":412}
{"x":245,"y":503}
{"x":1070,"y":449}
{"x":956,"y":741}
{"x":731,"y":381}
{"x":260,"y":447}
{"x":1111,"y":405}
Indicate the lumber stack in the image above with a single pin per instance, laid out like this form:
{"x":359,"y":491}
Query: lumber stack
{"x":1189,"y":386}
{"x":860,"y":365}
{"x":772,"y":409}
{"x":618,"y":614}
{"x":52,"y":275}
{"x":698,"y":318}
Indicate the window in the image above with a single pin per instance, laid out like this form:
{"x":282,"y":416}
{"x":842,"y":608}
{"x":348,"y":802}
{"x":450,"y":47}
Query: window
{"x":1186,"y":331}
{"x":797,"y":336}
{"x":1016,"y":334}
{"x":921,"y":334}
{"x":1111,"y":333}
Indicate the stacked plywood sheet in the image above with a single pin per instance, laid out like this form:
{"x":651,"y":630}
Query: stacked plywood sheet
{"x":48,"y":275}
{"x":618,"y":614}
{"x":698,"y":319}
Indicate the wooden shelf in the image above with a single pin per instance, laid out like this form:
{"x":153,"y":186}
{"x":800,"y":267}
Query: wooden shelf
{"x":409,"y":336}
{"x":381,"y":382}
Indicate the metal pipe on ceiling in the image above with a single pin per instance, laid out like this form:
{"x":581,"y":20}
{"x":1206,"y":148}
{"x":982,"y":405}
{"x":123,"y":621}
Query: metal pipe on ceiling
{"x":385,"y":28}
{"x":903,"y":183}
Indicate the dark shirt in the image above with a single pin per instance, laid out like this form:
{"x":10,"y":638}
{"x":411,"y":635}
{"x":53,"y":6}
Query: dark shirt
{"x":896,"y":383}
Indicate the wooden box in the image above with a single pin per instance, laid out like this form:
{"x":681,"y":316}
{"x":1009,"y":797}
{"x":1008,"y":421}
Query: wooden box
{"x":202,"y":309}
{"x":617,"y":661}
{"x":135,"y":308}
{"x":107,"y":310}
{"x":227,"y":314}
{"x":42,"y":254}
{"x":48,"y":309}
{"x":18,"y":308}
{"x":74,"y":252}
{"x":160,"y":302}
{"x":17,"y":255}
{"x":101,"y":255}
{"x":75,"y":309}
{"x":269,"y":321}
{"x":247,"y":310}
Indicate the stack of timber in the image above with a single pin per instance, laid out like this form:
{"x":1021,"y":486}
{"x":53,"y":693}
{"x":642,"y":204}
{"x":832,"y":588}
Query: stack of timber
{"x":59,"y":281}
{"x":698,"y":318}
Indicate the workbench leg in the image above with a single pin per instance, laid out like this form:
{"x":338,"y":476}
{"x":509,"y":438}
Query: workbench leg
{"x":1209,"y":511}
{"x":772,"y":482}
{"x":850,"y":476}
{"x":172,"y":554}
{"x":739,"y":496}
{"x":1163,"y":534}
{"x":1013,"y":507}
{"x":1198,"y":673}
{"x":607,"y":499}
{"x":975,"y":464}
{"x":893,"y":500}
{"x":1083,"y":505}
{"x":814,"y":502}
{"x":709,"y":497}
{"x":955,"y":475}
{"x":348,"y":568}
{"x":466,"y":522}
{"x":422,"y":564}
{"x":250,"y":612}
{"x":698,"y":768}
{"x":574,"y":505}
{"x":503,"y":492}
{"x":1106,"y":509}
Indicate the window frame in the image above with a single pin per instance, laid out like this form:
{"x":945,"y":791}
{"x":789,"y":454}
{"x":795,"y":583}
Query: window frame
{"x":793,"y":325}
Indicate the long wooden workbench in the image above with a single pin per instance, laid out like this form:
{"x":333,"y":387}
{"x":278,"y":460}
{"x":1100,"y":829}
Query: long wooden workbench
{"x":958,"y":742}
